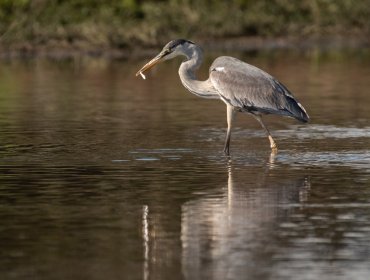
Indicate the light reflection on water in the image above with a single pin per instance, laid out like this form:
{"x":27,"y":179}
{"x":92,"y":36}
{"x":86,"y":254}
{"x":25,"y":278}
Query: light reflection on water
{"x":104,"y":176}
{"x":226,"y":236}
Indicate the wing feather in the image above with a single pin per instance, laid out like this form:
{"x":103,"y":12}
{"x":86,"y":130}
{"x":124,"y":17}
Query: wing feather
{"x":249,"y":88}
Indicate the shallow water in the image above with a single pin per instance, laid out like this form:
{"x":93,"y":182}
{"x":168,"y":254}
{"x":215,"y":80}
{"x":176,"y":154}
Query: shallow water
{"x":107,"y":176}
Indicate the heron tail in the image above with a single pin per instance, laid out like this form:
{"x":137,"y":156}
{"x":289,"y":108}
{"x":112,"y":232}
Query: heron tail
{"x":296,"y":110}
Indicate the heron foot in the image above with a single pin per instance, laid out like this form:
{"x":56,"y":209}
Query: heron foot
{"x":272,"y":144}
{"x":227,"y":151}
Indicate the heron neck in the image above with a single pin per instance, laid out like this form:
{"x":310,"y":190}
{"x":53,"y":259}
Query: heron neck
{"x":187,"y":73}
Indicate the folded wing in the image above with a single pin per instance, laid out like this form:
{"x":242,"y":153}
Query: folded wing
{"x":250,"y":89}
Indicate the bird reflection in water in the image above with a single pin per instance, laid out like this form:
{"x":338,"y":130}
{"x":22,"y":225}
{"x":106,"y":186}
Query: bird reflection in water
{"x":227,"y":235}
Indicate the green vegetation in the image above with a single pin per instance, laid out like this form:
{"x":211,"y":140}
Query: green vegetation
{"x":96,"y":24}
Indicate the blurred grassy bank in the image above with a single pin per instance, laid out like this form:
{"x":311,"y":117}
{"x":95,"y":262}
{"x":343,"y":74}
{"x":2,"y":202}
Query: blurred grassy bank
{"x":94,"y":25}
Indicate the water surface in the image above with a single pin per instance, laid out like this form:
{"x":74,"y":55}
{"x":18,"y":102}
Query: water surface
{"x":107,"y":176}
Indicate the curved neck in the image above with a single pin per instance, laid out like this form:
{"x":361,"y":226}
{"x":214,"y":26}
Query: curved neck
{"x":187,"y":75}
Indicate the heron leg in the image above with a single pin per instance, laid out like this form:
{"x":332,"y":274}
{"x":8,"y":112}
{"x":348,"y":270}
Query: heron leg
{"x":230,"y":117}
{"x":272,"y":142}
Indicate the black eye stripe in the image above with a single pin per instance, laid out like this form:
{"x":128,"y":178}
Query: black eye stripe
{"x":173,"y":44}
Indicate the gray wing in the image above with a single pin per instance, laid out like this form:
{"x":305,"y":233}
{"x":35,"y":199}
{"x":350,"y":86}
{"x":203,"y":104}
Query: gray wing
{"x":250,"y":89}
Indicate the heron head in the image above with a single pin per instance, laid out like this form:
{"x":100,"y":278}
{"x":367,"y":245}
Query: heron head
{"x":170,"y":50}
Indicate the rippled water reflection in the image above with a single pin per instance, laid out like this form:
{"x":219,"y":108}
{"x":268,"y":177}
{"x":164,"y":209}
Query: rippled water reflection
{"x":105,"y":176}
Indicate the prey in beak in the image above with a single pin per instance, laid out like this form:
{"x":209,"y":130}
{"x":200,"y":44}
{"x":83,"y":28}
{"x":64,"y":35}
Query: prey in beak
{"x":154,"y":61}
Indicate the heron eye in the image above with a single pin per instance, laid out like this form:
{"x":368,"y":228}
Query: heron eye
{"x":167,"y":51}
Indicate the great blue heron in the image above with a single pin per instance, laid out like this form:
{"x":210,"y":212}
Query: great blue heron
{"x":241,"y":86}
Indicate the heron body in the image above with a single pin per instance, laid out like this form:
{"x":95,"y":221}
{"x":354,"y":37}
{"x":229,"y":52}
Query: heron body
{"x":241,"y":86}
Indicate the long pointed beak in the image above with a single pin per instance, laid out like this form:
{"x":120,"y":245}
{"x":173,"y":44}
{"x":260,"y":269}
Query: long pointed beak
{"x":150,"y":64}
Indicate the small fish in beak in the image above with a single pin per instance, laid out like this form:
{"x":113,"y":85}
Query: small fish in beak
{"x":142,"y":75}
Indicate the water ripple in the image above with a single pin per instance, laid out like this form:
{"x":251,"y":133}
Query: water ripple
{"x":354,"y":159}
{"x":323,"y":132}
